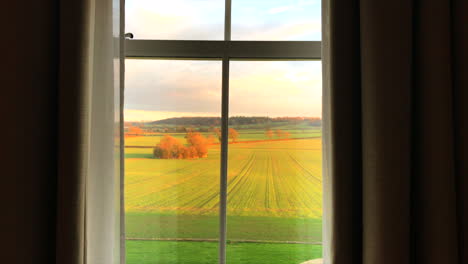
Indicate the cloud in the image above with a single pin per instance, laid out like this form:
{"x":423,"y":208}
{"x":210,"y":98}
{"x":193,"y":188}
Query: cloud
{"x":295,"y":5}
{"x":280,"y":9}
{"x":175,"y":19}
{"x":276,"y":88}
{"x":276,"y":20}
{"x":302,"y":30}
{"x":204,"y":19}
{"x":158,"y":89}
{"x":145,"y":115}
{"x":173,"y":85}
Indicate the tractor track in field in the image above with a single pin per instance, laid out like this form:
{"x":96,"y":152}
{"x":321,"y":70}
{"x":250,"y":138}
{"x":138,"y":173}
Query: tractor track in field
{"x":301,"y":187}
{"x":304,"y":169}
{"x":261,"y":181}
{"x":167,"y":187}
{"x":143,"y":179}
{"x":240,"y":178}
{"x":167,"y":196}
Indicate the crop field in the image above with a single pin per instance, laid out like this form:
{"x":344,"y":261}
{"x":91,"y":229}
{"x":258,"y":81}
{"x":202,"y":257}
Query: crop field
{"x":246,"y":135}
{"x":150,"y":252}
{"x":274,"y":198}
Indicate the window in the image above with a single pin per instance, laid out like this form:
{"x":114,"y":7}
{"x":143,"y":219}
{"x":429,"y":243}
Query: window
{"x":223,"y":137}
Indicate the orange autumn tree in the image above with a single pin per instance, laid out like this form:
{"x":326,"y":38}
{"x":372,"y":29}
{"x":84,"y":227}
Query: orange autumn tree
{"x":279,"y":133}
{"x":233,"y":134}
{"x":217,"y":132}
{"x":282,"y":134}
{"x":133,"y":130}
{"x":269,"y":133}
{"x":171,"y":148}
{"x":199,"y":143}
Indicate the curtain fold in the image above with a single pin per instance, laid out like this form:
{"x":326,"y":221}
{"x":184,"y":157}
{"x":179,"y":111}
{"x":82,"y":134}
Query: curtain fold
{"x":396,"y":154}
{"x":75,"y":82}
{"x":88,"y":182}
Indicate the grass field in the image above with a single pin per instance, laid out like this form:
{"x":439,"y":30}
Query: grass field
{"x":150,"y":252}
{"x":245,"y":135}
{"x":240,"y":228}
{"x":274,"y":195}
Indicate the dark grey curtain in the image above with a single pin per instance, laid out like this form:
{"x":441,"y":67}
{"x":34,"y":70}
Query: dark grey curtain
{"x":28,"y":77}
{"x":396,"y":78}
{"x":89,"y":112}
{"x":73,"y":131}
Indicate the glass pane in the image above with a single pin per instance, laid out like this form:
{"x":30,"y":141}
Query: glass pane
{"x":275,"y":174}
{"x":172,"y":108}
{"x":276,"y":20}
{"x":175,"y":19}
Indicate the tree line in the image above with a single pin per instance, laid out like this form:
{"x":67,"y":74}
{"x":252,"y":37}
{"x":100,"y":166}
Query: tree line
{"x":234,"y":120}
{"x":196,"y":145}
{"x":278,"y":133}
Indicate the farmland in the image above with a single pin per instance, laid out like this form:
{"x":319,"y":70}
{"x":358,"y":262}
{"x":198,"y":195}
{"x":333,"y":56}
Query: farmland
{"x":274,"y":198}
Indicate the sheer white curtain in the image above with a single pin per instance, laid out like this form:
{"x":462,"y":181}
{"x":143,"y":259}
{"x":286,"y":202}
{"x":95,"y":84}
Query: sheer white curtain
{"x":103,"y":182}
{"x":88,"y":220}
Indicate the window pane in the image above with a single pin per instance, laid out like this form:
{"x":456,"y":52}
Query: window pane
{"x":172,"y":161}
{"x":276,"y":19}
{"x":275,"y":174}
{"x":175,"y":19}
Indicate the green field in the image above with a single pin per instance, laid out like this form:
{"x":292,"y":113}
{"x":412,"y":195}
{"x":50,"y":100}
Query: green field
{"x":274,"y":198}
{"x":150,"y":252}
{"x":245,"y":135}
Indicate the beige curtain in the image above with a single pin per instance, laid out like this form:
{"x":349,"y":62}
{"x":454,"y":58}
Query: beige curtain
{"x":88,"y":209}
{"x":396,"y":156}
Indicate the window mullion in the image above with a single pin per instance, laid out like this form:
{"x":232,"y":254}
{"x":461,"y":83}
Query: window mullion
{"x":224,"y":162}
{"x":224,"y":136}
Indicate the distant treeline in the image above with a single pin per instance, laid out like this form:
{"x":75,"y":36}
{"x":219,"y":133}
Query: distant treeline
{"x":236,"y":120}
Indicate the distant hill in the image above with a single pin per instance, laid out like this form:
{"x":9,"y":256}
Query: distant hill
{"x":235,"y":120}
{"x":189,"y":121}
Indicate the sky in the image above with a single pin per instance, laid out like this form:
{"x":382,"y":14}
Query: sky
{"x":158,"y":89}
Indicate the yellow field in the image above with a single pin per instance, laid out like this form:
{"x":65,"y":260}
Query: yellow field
{"x":273,"y":178}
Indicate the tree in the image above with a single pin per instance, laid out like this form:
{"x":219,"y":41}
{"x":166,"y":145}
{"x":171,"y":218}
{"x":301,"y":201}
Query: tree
{"x":279,"y":133}
{"x":171,"y":148}
{"x":233,"y":134}
{"x":199,"y":143}
{"x":217,"y":132}
{"x":211,"y":139}
{"x":269,"y":133}
{"x":133,"y":130}
{"x":168,"y":148}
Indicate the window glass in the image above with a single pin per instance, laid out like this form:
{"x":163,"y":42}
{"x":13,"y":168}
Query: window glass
{"x":172,"y":157}
{"x":175,"y":19}
{"x":276,"y":19}
{"x":275,"y":169}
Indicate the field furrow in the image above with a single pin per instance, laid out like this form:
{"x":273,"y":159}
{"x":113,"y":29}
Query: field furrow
{"x":276,"y":179}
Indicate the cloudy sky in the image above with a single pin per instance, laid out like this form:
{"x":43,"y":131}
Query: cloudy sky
{"x":158,"y":89}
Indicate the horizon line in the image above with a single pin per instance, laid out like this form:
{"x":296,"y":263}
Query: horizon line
{"x":317,"y":117}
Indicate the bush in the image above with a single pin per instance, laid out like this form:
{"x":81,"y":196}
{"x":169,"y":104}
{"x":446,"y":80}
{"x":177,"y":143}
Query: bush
{"x":171,"y":148}
{"x":168,"y":148}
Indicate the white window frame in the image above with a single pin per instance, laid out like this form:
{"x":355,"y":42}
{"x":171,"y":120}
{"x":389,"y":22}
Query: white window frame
{"x":225,"y":50}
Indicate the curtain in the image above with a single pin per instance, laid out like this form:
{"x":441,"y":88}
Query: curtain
{"x":396,"y":146}
{"x":28,"y":77}
{"x":88,"y":185}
